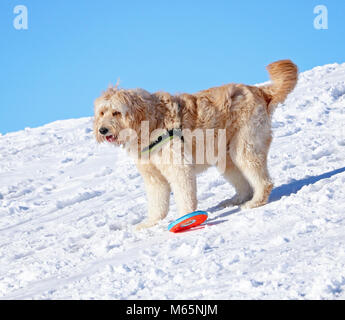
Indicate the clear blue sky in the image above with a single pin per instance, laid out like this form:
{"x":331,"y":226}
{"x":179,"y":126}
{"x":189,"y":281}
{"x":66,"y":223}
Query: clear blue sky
{"x":74,"y":49}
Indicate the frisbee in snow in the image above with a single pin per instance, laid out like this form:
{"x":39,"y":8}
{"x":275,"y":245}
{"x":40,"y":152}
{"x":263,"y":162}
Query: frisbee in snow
{"x":188,"y":221}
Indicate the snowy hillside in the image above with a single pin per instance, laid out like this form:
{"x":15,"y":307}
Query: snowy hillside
{"x":68,"y":206}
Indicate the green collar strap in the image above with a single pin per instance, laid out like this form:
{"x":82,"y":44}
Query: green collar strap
{"x":162,"y":140}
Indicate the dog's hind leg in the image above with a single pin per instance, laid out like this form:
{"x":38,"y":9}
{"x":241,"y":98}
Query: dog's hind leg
{"x":158,"y":195}
{"x":243,"y":189}
{"x":248,"y":151}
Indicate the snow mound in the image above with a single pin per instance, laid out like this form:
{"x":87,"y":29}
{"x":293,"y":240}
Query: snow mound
{"x":68,"y":206}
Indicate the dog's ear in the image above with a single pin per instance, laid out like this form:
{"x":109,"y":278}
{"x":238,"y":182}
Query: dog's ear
{"x":133,"y":104}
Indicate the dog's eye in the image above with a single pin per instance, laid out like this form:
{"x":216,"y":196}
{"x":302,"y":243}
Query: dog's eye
{"x":102,"y":114}
{"x":116,"y":113}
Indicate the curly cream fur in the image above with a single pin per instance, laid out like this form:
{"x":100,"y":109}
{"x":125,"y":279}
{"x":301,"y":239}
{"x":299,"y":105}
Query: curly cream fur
{"x":243,"y":111}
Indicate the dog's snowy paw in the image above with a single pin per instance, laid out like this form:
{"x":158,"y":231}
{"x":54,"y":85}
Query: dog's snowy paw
{"x":145,"y":225}
{"x":239,"y":199}
{"x":253,"y":204}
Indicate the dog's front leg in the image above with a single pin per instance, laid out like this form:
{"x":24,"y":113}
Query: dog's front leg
{"x":158,"y":195}
{"x":182,"y":179}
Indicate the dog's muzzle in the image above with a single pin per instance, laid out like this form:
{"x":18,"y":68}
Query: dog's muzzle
{"x":108,"y":136}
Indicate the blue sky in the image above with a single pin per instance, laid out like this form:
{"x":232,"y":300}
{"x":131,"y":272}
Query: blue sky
{"x":73,"y":50}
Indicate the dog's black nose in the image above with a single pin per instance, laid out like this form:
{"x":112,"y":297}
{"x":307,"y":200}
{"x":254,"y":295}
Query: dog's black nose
{"x":103,"y":131}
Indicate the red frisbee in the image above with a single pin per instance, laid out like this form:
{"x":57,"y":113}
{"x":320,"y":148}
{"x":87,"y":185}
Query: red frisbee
{"x":188,"y":221}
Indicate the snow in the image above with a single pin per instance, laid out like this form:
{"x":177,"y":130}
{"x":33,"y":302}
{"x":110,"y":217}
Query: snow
{"x":68,"y":208}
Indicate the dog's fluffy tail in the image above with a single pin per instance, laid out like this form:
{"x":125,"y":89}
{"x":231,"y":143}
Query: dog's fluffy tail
{"x":284,"y":75}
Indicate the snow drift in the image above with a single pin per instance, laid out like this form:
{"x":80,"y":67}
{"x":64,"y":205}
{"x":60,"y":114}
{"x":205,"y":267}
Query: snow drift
{"x":68,"y":206}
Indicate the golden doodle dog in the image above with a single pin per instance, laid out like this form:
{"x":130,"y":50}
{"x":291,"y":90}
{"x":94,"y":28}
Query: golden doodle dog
{"x":236,"y":116}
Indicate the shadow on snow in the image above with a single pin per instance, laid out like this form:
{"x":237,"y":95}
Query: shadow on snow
{"x":294,"y":186}
{"x":284,"y":190}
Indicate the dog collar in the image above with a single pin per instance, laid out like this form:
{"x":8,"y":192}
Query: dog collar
{"x":162,"y":140}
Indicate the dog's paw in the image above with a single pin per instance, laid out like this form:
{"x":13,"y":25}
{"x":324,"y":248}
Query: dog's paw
{"x":236,"y":200}
{"x":253,"y":204}
{"x":224,"y":204}
{"x":145,"y":225}
{"x":239,"y":199}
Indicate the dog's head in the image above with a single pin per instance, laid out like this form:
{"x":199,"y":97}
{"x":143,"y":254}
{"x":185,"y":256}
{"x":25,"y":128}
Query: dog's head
{"x":117,"y":110}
